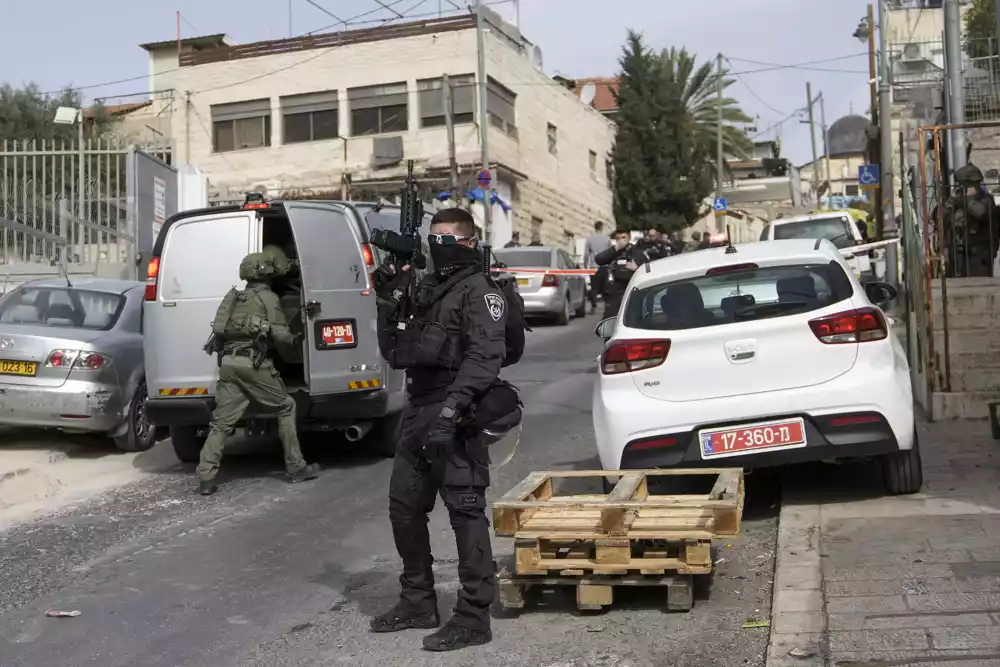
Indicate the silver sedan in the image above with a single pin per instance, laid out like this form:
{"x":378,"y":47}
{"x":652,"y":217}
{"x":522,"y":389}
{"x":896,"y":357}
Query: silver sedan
{"x":71,"y":359}
{"x":554,"y":295}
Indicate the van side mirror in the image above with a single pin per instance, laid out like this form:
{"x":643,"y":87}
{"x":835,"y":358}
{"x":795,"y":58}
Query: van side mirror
{"x":606,"y":328}
{"x":879,"y":293}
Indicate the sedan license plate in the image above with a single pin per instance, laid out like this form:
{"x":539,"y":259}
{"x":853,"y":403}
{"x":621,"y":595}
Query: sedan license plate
{"x":23,"y":368}
{"x":523,"y":281}
{"x":719,"y":443}
{"x":337,"y":334}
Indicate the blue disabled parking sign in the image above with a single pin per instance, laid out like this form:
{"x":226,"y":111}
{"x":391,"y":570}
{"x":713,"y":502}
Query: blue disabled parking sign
{"x":720,"y":205}
{"x":868,"y":176}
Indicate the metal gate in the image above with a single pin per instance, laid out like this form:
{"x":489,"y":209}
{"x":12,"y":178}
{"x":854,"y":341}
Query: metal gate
{"x":152,"y":198}
{"x":66,"y":201}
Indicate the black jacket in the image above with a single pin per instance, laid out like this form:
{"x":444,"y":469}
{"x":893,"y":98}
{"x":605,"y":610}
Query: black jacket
{"x":453,"y":345}
{"x":616,"y":260}
{"x":652,"y":250}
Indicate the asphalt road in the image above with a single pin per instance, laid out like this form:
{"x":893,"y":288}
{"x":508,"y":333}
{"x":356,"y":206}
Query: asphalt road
{"x":265,"y":574}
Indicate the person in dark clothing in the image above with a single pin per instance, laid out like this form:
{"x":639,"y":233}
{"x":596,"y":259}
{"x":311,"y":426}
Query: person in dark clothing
{"x":651,"y":246}
{"x":515,"y":241}
{"x":535,"y":242}
{"x":452,"y":346}
{"x":622,"y":259}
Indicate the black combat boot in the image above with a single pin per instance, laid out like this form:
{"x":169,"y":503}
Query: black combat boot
{"x":399,"y":618}
{"x":207,"y":488}
{"x":454,"y":636}
{"x":304,"y":474}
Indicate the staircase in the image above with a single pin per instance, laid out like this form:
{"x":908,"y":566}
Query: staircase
{"x":974,"y":346}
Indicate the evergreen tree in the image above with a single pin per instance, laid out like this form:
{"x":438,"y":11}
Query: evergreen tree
{"x":27,"y":114}
{"x":981,"y":29}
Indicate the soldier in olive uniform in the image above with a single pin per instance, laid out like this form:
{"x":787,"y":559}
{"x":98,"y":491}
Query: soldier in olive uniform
{"x":246,"y":321}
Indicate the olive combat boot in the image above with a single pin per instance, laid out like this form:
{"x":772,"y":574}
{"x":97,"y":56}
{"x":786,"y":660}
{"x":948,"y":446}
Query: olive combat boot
{"x":399,"y":618}
{"x":454,"y":636}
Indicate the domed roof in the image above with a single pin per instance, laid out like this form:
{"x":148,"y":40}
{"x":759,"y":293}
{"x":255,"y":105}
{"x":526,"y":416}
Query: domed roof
{"x":848,"y":136}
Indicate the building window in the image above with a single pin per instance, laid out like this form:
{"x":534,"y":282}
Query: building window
{"x":378,"y":109}
{"x":609,"y":172}
{"x":431,"y":100}
{"x":500,"y":105}
{"x":241,"y":125}
{"x":536,"y":230}
{"x":851,"y":190}
{"x":553,"y":134}
{"x":592,"y":163}
{"x":310,"y":117}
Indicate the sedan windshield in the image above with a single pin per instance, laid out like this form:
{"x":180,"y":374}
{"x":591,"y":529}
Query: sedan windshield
{"x":61,"y":307}
{"x":737,"y":296}
{"x":525,"y":258}
{"x":836,"y":228}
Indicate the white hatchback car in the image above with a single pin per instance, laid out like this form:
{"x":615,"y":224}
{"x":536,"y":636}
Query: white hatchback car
{"x":755,"y":355}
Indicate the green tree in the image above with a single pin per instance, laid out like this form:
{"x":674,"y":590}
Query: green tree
{"x":27,"y":114}
{"x":699,"y":95}
{"x":981,"y":29}
{"x":660,"y":168}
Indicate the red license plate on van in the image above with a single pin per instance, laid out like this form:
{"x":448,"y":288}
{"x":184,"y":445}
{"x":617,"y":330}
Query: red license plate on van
{"x":738,"y":440}
{"x":337,"y":334}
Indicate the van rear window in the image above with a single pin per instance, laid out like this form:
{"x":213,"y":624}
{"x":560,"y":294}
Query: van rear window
{"x":740,"y":296}
{"x":201,"y":257}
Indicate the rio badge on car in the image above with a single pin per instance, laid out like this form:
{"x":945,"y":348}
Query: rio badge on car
{"x":719,"y":443}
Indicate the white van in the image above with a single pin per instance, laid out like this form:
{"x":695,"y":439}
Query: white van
{"x":835,"y":226}
{"x":340,"y":382}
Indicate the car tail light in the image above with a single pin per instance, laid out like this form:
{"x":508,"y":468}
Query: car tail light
{"x":152,"y":274}
{"x":654,"y":443}
{"x":732,"y":268}
{"x":853,"y":420}
{"x":550,"y":280}
{"x":853,"y":326}
{"x":633,"y":355}
{"x":77,"y":360}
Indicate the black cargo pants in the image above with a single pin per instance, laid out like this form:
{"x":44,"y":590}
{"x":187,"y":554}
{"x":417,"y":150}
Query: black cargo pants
{"x":462,"y":484}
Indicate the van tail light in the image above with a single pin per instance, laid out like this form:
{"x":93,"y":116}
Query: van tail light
{"x":853,"y":326}
{"x":550,"y":280}
{"x":368,"y":255}
{"x":633,"y":355}
{"x":77,"y":360}
{"x":152,"y":274}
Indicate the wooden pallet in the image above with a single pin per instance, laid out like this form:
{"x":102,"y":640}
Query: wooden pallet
{"x":593,"y":593}
{"x":531,"y":510}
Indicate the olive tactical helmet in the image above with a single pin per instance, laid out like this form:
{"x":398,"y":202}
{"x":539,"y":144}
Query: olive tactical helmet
{"x":260,"y":266}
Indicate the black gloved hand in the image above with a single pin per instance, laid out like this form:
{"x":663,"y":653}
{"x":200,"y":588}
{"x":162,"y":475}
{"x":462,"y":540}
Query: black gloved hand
{"x":387,"y":279}
{"x":440,"y":438}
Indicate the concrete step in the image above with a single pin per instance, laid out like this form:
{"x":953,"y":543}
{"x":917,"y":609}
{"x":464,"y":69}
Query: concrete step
{"x":980,"y":317}
{"x":974,"y":379}
{"x":969,"y":340}
{"x":987,"y":361}
{"x":963,"y":404}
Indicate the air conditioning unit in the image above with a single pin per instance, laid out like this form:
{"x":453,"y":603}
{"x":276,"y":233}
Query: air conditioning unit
{"x":912,"y":53}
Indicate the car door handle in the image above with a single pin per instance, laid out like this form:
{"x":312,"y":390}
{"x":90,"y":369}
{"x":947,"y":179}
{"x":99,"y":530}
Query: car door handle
{"x":313,"y":308}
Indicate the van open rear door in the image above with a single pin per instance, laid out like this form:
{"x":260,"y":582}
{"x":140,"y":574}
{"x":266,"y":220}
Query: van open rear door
{"x":341,"y":337}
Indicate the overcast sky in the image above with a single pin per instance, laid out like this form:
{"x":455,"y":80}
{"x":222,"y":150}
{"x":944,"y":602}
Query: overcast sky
{"x":67,"y":42}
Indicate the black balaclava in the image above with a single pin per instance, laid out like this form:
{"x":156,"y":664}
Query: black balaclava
{"x":451,"y":258}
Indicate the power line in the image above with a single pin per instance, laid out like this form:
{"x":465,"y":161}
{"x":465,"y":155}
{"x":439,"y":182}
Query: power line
{"x":772,"y":67}
{"x":778,"y":124}
{"x":758,"y":97}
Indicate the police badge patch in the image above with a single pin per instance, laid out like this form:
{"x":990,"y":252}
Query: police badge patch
{"x":494,"y":303}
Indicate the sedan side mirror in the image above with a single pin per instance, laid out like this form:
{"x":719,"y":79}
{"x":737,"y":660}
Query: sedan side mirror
{"x":606,"y":328}
{"x":880,"y":293}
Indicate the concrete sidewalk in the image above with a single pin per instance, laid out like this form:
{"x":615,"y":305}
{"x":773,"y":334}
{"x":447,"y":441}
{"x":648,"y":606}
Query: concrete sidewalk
{"x":867,"y":579}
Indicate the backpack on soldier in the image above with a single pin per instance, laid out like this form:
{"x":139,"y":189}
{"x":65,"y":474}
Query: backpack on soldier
{"x":516,"y":325}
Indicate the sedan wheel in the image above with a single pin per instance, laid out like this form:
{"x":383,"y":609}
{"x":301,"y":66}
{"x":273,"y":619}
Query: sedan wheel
{"x":141,"y":435}
{"x":562,"y":318}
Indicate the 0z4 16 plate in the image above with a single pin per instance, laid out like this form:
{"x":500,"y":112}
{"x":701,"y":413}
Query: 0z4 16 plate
{"x":717,"y":443}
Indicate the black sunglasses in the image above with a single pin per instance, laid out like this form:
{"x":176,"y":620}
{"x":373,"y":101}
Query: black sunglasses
{"x":447,"y":239}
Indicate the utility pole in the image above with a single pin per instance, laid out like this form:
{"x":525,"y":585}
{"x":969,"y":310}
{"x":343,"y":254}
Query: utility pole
{"x":449,"y":124}
{"x":484,"y":118}
{"x":826,"y":143}
{"x":719,"y":161}
{"x":872,"y":67}
{"x":955,"y":79}
{"x":887,"y":194}
{"x":812,"y":140}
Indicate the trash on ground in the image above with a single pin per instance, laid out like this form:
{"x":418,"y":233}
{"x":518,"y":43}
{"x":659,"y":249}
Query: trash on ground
{"x":757,"y":624}
{"x":52,"y":613}
{"x":801,"y":652}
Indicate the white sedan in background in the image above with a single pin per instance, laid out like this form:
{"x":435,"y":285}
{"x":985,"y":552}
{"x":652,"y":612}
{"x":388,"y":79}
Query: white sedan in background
{"x":755,"y":355}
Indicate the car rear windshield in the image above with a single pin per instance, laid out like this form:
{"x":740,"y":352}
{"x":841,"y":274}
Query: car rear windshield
{"x":836,"y":228}
{"x":525,"y":258}
{"x":737,"y":296}
{"x":62,"y":307}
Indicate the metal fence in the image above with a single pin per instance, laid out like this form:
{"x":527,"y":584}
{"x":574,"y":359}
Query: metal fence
{"x":66,"y":201}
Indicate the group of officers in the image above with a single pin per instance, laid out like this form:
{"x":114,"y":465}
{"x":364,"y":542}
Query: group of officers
{"x":447,"y":330}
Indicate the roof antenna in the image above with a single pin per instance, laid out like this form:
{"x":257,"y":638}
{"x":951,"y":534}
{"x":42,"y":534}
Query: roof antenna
{"x":64,"y":271}
{"x":730,"y":248}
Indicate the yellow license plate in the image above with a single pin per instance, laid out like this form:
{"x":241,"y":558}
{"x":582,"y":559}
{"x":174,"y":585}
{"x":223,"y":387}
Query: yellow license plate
{"x":523,"y":281}
{"x":28,"y":368}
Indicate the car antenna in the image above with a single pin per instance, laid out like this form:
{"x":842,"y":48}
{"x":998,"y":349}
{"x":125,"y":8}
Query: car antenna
{"x":65,"y":273}
{"x":730,"y":248}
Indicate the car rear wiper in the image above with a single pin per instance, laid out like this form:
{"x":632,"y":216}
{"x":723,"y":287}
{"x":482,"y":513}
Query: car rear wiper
{"x":766,"y":309}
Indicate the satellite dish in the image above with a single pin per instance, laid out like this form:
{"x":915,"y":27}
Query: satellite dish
{"x":588,"y":93}
{"x":536,"y":58}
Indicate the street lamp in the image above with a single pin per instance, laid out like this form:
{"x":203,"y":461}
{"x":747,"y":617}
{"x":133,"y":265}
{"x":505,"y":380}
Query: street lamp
{"x":70,"y":116}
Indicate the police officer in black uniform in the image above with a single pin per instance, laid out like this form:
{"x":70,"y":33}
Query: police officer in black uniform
{"x":449,"y":336}
{"x":622,"y":259}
